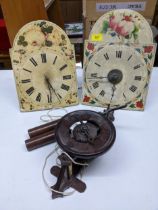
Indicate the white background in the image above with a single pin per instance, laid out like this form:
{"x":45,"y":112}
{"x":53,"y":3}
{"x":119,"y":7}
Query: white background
{"x":125,"y":178}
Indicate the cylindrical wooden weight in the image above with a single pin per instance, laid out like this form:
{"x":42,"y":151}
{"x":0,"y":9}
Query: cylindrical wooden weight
{"x":40,"y":140}
{"x":39,"y":130}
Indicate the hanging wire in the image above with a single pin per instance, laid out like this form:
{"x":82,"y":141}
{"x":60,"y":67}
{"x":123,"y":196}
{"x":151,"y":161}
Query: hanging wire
{"x":44,"y":166}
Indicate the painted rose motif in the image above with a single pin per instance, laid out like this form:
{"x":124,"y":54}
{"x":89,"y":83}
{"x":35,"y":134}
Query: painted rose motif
{"x":139,"y":104}
{"x":90,"y":46}
{"x":123,"y":27}
{"x":148,"y":49}
{"x":86,"y":99}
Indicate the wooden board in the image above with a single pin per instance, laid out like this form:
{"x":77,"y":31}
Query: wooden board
{"x":19,"y":12}
{"x":71,"y":10}
{"x":55,"y":13}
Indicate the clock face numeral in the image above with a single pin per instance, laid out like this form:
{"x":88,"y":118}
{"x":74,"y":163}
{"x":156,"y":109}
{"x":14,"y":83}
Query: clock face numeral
{"x":49,"y":98}
{"x":118,"y":54}
{"x":38,"y":98}
{"x":30,"y":91}
{"x":33,"y":61}
{"x":137,"y":67}
{"x":102,"y":93}
{"x":97,"y":64}
{"x":59,"y":96}
{"x":124,"y":96}
{"x":94,"y":75}
{"x":133,"y":88}
{"x":65,"y":87}
{"x":66,"y":77}
{"x":95,"y":85}
{"x":27,"y":70}
{"x":43,"y":57}
{"x":130,"y":57}
{"x":106,"y":56}
{"x":63,"y":67}
{"x":26,"y":81}
{"x":55,"y":60}
{"x":139,"y":78}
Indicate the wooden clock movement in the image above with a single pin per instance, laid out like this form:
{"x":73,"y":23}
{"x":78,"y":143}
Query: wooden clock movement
{"x":43,"y":61}
{"x":82,"y":136}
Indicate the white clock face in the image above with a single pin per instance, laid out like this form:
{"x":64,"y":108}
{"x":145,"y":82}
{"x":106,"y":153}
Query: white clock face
{"x":115,"y":75}
{"x":46,"y":78}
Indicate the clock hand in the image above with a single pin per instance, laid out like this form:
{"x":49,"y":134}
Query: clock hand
{"x":101,"y":81}
{"x":113,"y":93}
{"x":50,"y":93}
{"x":55,"y":93}
{"x":51,"y":87}
{"x":97,"y":78}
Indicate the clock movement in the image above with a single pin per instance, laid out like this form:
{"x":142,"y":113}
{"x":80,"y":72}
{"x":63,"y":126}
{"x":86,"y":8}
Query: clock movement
{"x":43,"y":61}
{"x":82,"y":136}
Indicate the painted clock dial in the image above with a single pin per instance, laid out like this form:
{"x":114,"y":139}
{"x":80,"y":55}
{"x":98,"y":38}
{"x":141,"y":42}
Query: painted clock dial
{"x":45,"y":79}
{"x":115,"y":75}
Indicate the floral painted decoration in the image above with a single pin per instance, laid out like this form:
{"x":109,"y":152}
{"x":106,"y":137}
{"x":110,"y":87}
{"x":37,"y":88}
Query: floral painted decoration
{"x":125,"y":26}
{"x":38,"y":34}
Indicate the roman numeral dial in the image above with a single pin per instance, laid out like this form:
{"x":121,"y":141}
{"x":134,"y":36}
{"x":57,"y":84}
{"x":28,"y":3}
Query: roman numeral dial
{"x":115,"y":75}
{"x":48,"y":79}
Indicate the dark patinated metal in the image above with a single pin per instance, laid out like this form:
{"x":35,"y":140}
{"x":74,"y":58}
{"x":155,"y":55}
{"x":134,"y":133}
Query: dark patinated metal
{"x":91,"y":138}
{"x":115,"y":76}
{"x":85,"y":132}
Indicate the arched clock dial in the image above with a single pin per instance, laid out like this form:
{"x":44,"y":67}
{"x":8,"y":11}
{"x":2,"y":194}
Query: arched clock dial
{"x":123,"y":26}
{"x":115,"y":75}
{"x":45,"y":79}
{"x":39,"y":33}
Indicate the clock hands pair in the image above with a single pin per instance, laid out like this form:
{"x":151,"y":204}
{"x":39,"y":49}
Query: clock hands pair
{"x":114,"y":77}
{"x":50,"y":88}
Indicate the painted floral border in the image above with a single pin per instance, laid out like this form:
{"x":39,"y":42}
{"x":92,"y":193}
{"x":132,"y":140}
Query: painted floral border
{"x":148,"y":53}
{"x":46,"y":28}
